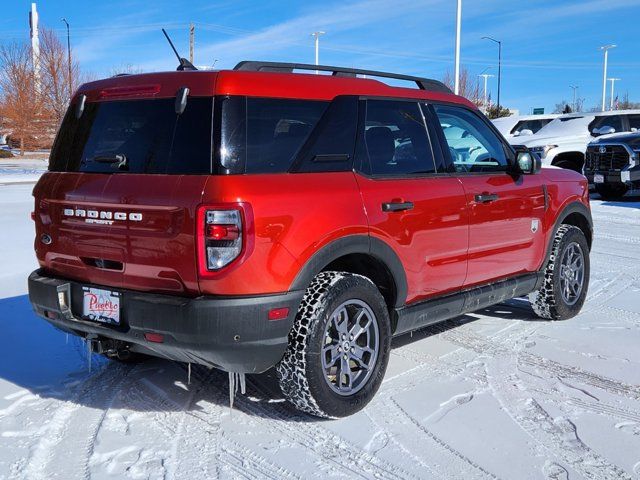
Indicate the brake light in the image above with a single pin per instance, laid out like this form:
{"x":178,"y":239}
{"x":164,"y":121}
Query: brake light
{"x":219,"y":237}
{"x":129,"y":91}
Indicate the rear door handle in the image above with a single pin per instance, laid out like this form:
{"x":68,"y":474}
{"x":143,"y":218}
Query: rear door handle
{"x":397,"y":206}
{"x":486,"y":197}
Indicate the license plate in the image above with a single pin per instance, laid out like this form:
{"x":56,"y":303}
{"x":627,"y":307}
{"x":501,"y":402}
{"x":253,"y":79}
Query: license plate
{"x":598,"y":178}
{"x":101,"y":305}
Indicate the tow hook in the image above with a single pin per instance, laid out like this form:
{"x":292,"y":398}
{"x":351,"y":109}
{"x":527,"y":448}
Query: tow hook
{"x":111,"y":348}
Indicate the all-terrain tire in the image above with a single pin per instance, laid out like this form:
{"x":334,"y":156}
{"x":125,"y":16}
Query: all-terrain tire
{"x":611,"y":192}
{"x":300,"y":372}
{"x":548,"y":301}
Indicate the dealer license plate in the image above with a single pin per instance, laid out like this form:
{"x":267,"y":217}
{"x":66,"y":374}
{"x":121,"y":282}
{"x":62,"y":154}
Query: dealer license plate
{"x":598,"y":178}
{"x":101,"y":305}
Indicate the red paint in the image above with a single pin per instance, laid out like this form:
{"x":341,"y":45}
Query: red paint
{"x":445,"y":243}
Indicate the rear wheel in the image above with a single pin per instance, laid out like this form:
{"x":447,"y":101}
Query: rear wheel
{"x":611,"y":191}
{"x":338,"y":347}
{"x":566,"y":280}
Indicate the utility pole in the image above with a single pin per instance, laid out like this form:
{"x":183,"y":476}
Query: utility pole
{"x":574,"y":106}
{"x":192,"y":40}
{"x":69,"y":58}
{"x":499,"y":64}
{"x":606,"y":49}
{"x":456,"y":87}
{"x":316,"y":35}
{"x":485,"y":76}
{"x":613,"y":81}
{"x":35,"y":46}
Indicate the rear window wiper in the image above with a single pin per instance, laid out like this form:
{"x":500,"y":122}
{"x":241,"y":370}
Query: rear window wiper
{"x":120,"y":160}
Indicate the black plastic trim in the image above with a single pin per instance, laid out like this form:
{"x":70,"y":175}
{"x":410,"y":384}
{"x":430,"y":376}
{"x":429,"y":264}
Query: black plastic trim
{"x":444,"y":308}
{"x":355,"y":244}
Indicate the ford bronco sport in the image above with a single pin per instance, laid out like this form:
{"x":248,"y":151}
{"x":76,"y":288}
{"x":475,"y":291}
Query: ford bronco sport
{"x":258,"y":217}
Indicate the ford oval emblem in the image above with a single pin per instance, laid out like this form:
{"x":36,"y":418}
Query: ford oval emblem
{"x":603,"y":149}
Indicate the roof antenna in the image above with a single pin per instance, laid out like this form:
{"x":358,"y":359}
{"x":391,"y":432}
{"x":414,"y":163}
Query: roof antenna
{"x":184,"y":63}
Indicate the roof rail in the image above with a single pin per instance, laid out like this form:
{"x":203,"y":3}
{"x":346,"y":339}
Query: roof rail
{"x":257,"y":66}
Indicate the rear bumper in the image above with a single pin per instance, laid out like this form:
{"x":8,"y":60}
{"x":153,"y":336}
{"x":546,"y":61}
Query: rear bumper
{"x":230,"y":333}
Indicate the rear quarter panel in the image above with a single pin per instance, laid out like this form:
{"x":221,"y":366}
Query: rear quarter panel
{"x":293,"y":217}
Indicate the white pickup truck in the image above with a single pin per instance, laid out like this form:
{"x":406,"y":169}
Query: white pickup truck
{"x":563,"y":141}
{"x":522,"y":125}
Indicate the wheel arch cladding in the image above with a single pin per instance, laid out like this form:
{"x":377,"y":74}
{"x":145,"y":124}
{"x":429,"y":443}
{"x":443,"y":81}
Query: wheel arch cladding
{"x":362,"y":255}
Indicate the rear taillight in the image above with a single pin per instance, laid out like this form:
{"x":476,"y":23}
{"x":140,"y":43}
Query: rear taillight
{"x":220,"y":237}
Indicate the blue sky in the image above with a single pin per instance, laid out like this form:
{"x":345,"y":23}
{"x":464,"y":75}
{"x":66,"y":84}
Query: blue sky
{"x":547,"y":45}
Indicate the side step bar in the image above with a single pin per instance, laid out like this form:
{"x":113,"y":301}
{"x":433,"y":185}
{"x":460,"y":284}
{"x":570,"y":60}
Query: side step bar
{"x":444,"y":308}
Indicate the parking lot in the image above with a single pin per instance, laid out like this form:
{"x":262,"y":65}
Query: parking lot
{"x":494,"y":394}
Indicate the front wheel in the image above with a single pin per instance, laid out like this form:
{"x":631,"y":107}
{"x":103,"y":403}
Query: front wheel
{"x":338,"y":347}
{"x":566,"y":276}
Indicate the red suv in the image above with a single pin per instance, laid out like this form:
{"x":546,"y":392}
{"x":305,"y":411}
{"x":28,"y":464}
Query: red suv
{"x":263,"y":217}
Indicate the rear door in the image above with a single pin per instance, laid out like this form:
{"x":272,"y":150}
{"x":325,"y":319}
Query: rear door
{"x":120,"y":198}
{"x":412,"y":204}
{"x":505,"y":211}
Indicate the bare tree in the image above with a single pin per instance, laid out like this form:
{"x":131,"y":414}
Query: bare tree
{"x":20,"y":104}
{"x":57,"y":86}
{"x":469,"y":87}
{"x":125,"y":69}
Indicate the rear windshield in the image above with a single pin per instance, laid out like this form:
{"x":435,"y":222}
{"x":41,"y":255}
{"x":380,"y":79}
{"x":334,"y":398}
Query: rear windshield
{"x":136,"y":136}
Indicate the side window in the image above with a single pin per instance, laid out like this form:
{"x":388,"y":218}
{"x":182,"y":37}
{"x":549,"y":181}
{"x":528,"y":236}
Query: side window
{"x":614,"y":121}
{"x":263,"y":135}
{"x":472,"y":145}
{"x":533,"y":125}
{"x":634,"y":121}
{"x":331,"y":145}
{"x":396,"y":140}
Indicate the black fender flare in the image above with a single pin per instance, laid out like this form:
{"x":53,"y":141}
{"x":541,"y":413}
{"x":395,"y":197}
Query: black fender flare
{"x":569,"y":209}
{"x":363,"y":244}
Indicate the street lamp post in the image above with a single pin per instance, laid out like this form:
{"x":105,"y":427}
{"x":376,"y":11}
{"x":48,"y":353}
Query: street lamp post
{"x":499,"y":64}
{"x":485,"y":76}
{"x":456,"y":81}
{"x":68,"y":58}
{"x":613,"y":81}
{"x":574,"y":105}
{"x":316,"y":35}
{"x":606,"y":49}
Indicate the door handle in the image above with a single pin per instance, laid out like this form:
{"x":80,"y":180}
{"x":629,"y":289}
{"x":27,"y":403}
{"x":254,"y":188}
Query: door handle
{"x":397,"y":206}
{"x":486,"y":197}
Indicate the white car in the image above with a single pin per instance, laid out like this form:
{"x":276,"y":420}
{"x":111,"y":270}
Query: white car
{"x":522,"y":125}
{"x":563,"y":141}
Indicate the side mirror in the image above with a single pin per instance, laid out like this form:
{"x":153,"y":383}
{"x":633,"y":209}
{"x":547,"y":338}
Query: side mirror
{"x":604,"y":130}
{"x":526,"y":163}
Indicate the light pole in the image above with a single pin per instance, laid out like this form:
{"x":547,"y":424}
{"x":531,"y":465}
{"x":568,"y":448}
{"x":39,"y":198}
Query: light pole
{"x":316,"y":35}
{"x":574,"y":88}
{"x":499,"y":64}
{"x":456,"y":74}
{"x":613,"y":81}
{"x":485,"y":76}
{"x":68,"y":57}
{"x":606,"y":49}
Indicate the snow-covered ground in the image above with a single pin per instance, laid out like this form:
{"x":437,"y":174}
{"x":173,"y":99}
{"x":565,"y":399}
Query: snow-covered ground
{"x":494,"y":394}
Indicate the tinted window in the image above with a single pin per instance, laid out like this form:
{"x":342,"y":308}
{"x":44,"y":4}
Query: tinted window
{"x":473,"y":146}
{"x":533,"y":125}
{"x":330,"y":146}
{"x":396,"y":140}
{"x":634,"y":121}
{"x":136,"y":136}
{"x":263,"y":135}
{"x":614,"y":121}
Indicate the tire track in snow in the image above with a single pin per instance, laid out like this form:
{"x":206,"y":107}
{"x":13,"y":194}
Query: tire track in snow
{"x":557,"y":437}
{"x":352,"y":460}
{"x":55,"y":432}
{"x":488,"y":347}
